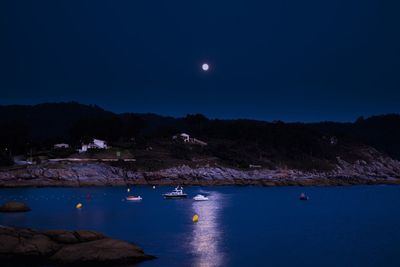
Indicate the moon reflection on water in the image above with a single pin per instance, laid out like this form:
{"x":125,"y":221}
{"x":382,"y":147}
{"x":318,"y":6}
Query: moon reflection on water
{"x":207,"y":232}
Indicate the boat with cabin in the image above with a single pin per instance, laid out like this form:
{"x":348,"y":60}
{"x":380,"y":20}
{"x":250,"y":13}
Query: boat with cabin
{"x":176,"y":194}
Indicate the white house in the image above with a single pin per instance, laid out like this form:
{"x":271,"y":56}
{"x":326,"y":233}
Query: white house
{"x":59,"y":146}
{"x":185,"y":137}
{"x":96,"y":144}
{"x":83,"y":149}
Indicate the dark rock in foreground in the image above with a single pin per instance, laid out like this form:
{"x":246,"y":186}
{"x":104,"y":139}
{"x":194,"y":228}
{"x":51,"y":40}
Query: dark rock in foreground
{"x":66,"y":247}
{"x":14,"y":207}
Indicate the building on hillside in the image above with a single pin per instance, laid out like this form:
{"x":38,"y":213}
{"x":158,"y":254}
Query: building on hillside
{"x":83,"y":149}
{"x":95,"y":144}
{"x":184,"y":137}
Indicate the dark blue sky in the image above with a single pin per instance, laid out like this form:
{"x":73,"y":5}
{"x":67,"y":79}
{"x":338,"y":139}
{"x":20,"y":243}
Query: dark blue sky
{"x":284,"y":59}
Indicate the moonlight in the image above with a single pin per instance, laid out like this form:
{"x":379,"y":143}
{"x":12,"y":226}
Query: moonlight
{"x":205,"y":67}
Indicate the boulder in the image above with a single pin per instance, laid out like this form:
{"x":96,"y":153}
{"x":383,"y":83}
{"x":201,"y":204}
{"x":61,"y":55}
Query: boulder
{"x":66,"y":247}
{"x":85,"y":235}
{"x":100,"y":251}
{"x":61,"y":236}
{"x":14,"y":207}
{"x":36,"y":245}
{"x":8,"y":243}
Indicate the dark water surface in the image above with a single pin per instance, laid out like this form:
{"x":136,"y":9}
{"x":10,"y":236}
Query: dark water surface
{"x":239,"y":226}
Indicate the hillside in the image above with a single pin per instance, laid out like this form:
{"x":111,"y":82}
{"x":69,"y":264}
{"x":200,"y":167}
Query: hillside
{"x":241,"y":144}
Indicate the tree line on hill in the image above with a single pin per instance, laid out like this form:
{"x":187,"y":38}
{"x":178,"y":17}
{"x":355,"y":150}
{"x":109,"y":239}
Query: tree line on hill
{"x":240,"y":141}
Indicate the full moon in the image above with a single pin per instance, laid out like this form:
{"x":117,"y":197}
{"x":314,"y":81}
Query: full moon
{"x":205,"y":67}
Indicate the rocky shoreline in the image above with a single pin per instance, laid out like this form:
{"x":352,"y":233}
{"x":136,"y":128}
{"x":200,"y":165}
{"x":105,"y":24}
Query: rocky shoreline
{"x":80,"y":247}
{"x":380,"y":170}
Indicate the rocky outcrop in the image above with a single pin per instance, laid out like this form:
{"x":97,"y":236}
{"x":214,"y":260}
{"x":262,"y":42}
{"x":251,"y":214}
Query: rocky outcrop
{"x":14,"y":207}
{"x":63,"y":174}
{"x":66,"y":247}
{"x":375,"y":169}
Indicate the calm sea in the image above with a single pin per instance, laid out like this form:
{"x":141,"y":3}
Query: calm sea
{"x":238,"y":226}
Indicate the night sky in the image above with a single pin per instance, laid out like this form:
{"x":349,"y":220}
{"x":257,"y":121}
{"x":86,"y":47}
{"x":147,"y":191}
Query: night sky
{"x":292,"y":60}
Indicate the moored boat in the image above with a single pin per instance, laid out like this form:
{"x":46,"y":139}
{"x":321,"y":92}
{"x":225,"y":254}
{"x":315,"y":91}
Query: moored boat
{"x":303,"y":196}
{"x":133,"y":198}
{"x":200,"y":197}
{"x":176,"y":194}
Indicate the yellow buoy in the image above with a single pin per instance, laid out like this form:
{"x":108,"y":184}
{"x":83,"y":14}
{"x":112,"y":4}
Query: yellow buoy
{"x":79,"y":206}
{"x":195,"y":218}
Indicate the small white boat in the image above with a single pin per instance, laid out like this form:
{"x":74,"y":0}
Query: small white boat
{"x":133,"y":198}
{"x":200,"y":198}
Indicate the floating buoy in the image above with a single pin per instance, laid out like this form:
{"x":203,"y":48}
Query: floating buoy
{"x":79,"y":206}
{"x":154,"y":187}
{"x":129,"y":190}
{"x":195,"y":218}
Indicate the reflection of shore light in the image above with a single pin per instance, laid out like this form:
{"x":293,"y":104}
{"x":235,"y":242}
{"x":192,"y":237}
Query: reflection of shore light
{"x":207,"y":232}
